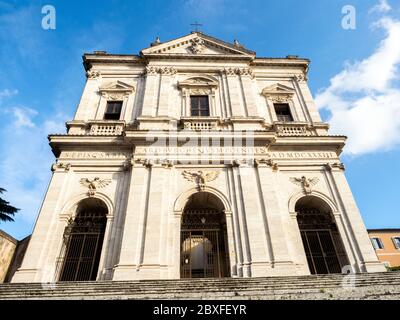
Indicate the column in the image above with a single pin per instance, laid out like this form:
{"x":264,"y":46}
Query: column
{"x":165,"y":89}
{"x":151,"y":92}
{"x":253,"y":222}
{"x":132,"y":238}
{"x":367,"y":259}
{"x":35,"y":266}
{"x":153,"y":224}
{"x":248,"y":92}
{"x":281,"y":259}
{"x":233,"y":90}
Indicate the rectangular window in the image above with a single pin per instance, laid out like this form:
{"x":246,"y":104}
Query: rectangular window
{"x":282,"y":111}
{"x":199,"y":106}
{"x":396,"y":242}
{"x":113,"y":110}
{"x":377,"y":243}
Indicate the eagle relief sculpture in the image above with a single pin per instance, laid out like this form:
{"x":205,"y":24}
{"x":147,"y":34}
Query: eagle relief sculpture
{"x":200,"y":177}
{"x":94,"y":184}
{"x":305,"y":183}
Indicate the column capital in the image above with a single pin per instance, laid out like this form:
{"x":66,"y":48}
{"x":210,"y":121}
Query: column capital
{"x":60,"y":167}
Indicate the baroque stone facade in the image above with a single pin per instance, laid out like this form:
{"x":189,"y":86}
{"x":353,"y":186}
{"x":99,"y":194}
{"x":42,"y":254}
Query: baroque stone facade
{"x":196,"y":158}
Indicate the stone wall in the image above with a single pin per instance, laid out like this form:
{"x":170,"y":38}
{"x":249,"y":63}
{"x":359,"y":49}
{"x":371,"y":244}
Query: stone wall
{"x":8,"y":246}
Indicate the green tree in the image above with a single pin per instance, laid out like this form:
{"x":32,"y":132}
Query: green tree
{"x":6,"y":211}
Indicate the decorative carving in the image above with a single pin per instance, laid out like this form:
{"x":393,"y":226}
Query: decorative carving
{"x":240,"y":71}
{"x":151,"y":70}
{"x":94,"y":184}
{"x":93,"y":74}
{"x":338,"y":165}
{"x":200,"y":177}
{"x":61,"y":166}
{"x":245,"y":72}
{"x":278,"y":93}
{"x":167,"y":70}
{"x":114,"y":96}
{"x":116,"y":91}
{"x":197,"y":45}
{"x":300,"y":77}
{"x":229,"y":71}
{"x":267,"y":162}
{"x":281,"y":98}
{"x":142,"y":162}
{"x":305,"y":183}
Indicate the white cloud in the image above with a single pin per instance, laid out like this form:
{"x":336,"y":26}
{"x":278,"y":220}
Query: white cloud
{"x":382,"y":7}
{"x":24,"y":117}
{"x":6,"y":93}
{"x":363,"y":98}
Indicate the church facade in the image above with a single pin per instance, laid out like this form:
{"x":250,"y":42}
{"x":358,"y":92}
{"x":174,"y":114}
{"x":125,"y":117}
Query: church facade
{"x":196,"y":159}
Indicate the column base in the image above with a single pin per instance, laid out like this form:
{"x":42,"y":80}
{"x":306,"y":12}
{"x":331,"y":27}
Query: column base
{"x":373,"y":266}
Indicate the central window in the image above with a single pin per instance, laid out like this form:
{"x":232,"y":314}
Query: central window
{"x":283,"y":113}
{"x":199,"y":106}
{"x":113,"y":110}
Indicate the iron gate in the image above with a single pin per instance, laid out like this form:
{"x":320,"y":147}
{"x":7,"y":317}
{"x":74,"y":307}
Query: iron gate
{"x":320,"y":251}
{"x":83,"y":243}
{"x":203,"y":245}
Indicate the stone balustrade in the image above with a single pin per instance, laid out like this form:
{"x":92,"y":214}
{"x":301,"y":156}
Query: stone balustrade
{"x":201,"y":124}
{"x":293,"y":129}
{"x":106,"y":128}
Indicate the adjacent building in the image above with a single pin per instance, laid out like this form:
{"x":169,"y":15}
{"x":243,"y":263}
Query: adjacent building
{"x":386,"y":243}
{"x":196,"y":158}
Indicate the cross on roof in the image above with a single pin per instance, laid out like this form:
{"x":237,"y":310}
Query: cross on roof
{"x":196,"y":25}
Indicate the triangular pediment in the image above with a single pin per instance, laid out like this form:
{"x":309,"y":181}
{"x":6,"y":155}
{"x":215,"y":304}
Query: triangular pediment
{"x":117,"y":86}
{"x":197,"y":44}
{"x":278,"y":89}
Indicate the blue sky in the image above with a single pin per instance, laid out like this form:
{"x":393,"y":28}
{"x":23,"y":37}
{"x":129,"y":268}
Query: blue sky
{"x":354,"y":75}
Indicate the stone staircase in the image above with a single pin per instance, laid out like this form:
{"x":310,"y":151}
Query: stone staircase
{"x":359,"y":286}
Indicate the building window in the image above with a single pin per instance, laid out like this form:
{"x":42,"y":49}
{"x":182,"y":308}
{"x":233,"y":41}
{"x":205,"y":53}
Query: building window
{"x":396,"y":242}
{"x":377,"y":243}
{"x":113,"y":110}
{"x":282,"y":111}
{"x":199,"y":106}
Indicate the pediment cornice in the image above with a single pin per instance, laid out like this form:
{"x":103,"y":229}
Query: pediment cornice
{"x":197,"y":45}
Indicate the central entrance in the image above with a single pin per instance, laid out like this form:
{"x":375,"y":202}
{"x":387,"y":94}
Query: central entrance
{"x":204,"y":244}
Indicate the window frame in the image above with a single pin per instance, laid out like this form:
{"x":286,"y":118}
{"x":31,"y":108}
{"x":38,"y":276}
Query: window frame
{"x":275,"y":104}
{"x":379,"y":243}
{"x":396,"y":245}
{"x":120,"y":102}
{"x":199,"y":109}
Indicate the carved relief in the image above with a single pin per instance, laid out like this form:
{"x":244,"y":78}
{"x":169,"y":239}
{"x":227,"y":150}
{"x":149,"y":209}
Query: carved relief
{"x":151,"y":70}
{"x":197,"y":45}
{"x":94,"y":184}
{"x":301,"y":77}
{"x":267,"y":162}
{"x":278,"y":93}
{"x":200,"y":177}
{"x":117,"y":90}
{"x":166,"y":70}
{"x":238,"y":71}
{"x":93,"y":74}
{"x":305,"y":183}
{"x":60,"y":166}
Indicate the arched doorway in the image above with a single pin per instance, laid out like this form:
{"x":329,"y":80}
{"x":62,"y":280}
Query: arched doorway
{"x":321,"y":239}
{"x":83,"y":241}
{"x":204,"y":241}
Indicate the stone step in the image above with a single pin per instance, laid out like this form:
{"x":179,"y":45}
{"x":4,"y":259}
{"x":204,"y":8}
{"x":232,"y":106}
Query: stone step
{"x":254,"y":288}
